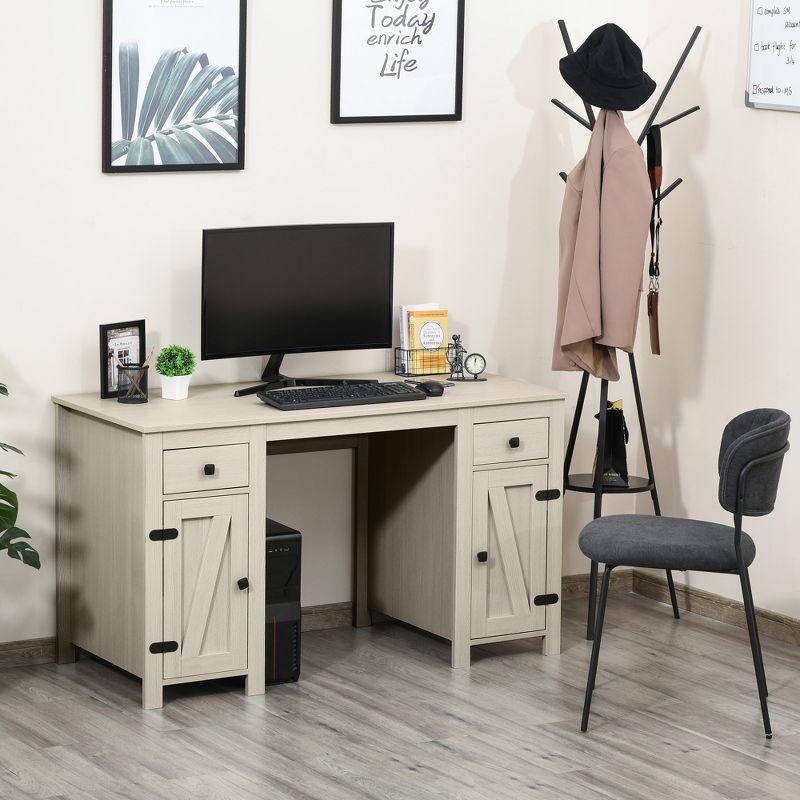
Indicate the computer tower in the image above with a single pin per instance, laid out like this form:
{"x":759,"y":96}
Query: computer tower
{"x":284,"y":548}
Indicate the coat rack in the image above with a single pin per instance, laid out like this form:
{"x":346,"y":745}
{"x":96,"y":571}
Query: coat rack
{"x":593,"y":484}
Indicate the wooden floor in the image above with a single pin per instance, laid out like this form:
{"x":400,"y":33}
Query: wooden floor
{"x":379,"y":714}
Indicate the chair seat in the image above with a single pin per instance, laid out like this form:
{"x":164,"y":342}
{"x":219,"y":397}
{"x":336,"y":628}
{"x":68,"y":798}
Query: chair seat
{"x":634,"y":540}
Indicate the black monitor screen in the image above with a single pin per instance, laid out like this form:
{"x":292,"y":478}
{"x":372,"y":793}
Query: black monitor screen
{"x":297,"y":289}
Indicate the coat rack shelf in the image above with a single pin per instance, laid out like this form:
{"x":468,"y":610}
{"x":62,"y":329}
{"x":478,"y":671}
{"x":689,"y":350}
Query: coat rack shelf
{"x":585,"y":483}
{"x":593,"y":483}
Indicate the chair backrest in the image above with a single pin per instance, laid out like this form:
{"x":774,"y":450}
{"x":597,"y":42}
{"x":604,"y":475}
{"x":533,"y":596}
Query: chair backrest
{"x":755,"y":435}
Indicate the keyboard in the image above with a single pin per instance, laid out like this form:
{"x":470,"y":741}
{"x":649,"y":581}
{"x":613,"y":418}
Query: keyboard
{"x":302,"y":397}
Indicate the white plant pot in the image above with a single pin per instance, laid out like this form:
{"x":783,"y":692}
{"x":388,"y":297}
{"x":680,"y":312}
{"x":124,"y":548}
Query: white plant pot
{"x":175,"y":387}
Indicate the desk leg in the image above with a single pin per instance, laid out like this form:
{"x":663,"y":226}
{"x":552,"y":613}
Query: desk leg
{"x":460,"y":655}
{"x":256,"y":615}
{"x":153,"y":554}
{"x":462,"y":572}
{"x":552,"y":641}
{"x":152,"y":692}
{"x":65,"y":650}
{"x":361,"y":614}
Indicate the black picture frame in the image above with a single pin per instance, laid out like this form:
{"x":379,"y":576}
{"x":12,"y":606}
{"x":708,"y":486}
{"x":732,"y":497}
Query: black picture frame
{"x":108,"y":88}
{"x":336,"y":78}
{"x":106,"y":391}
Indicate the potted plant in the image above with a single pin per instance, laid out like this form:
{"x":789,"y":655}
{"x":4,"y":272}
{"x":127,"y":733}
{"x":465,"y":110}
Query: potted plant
{"x":175,"y":365}
{"x":12,"y":538}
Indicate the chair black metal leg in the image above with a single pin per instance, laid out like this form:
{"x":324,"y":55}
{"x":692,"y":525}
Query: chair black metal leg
{"x":598,"y":635}
{"x":592,"y":601}
{"x":761,"y":659}
{"x":672,"y":596}
{"x":758,"y":637}
{"x":755,"y":646}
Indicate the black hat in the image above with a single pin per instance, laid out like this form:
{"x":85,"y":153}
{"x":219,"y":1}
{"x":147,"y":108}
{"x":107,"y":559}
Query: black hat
{"x":606,"y":70}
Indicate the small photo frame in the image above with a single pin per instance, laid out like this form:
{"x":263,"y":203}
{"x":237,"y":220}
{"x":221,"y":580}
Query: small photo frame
{"x":397,"y":61}
{"x":127,"y":341}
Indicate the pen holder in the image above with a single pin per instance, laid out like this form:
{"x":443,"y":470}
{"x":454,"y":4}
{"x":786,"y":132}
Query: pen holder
{"x":132,"y":383}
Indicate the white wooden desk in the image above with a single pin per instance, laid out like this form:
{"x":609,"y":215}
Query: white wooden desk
{"x":161,"y":511}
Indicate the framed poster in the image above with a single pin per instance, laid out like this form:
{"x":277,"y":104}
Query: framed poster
{"x":397,"y":60}
{"x":120,"y":342}
{"x":173,"y":85}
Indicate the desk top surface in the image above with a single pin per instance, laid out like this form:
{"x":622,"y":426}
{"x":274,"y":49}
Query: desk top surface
{"x":214,"y":406}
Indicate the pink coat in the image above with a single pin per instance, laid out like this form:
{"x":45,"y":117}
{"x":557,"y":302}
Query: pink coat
{"x":603,"y":235}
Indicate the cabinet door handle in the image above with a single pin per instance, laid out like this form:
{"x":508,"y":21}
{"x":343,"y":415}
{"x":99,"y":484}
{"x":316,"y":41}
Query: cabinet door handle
{"x":243,"y":583}
{"x":513,"y":442}
{"x":483,"y":556}
{"x":210,"y":469}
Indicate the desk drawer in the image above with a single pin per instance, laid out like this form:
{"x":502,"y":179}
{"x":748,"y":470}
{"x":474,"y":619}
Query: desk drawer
{"x":198,"y":469}
{"x":516,"y":440}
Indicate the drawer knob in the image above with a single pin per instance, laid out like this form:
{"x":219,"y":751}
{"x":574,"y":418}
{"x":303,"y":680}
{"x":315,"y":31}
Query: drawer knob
{"x":483,"y":556}
{"x":513,"y":442}
{"x":210,"y":469}
{"x":243,"y":583}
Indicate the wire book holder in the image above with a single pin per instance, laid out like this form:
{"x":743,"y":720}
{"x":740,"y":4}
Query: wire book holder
{"x":417,"y":362}
{"x":593,"y":483}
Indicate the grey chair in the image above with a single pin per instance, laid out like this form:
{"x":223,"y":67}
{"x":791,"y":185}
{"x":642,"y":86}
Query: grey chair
{"x":750,"y":461}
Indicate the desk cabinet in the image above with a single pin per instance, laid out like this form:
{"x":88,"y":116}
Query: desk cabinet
{"x":160,"y":523}
{"x":509,"y":539}
{"x":205,"y":609}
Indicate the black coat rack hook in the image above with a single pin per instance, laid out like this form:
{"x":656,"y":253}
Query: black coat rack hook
{"x":674,"y":185}
{"x":677,"y":117}
{"x":562,"y":26}
{"x":665,"y":91}
{"x":567,"y":110}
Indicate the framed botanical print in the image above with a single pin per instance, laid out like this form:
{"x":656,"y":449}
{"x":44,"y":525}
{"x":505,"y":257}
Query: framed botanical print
{"x":120,"y":343}
{"x":397,"y":60}
{"x":173,"y":85}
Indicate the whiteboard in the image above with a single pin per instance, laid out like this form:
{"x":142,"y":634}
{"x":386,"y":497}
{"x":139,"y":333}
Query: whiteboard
{"x":773,"y":74}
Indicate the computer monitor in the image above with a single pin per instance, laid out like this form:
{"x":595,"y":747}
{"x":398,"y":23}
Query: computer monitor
{"x":296,"y":289}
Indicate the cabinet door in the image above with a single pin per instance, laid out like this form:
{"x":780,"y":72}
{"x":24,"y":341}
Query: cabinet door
{"x":204,"y":609}
{"x":509,"y":537}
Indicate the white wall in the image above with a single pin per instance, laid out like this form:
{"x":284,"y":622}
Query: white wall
{"x":730,"y":287}
{"x":476,"y":205}
{"x":314,"y":494}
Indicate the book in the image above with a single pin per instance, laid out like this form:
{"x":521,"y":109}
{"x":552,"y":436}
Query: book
{"x":404,"y":339}
{"x":427,"y":330}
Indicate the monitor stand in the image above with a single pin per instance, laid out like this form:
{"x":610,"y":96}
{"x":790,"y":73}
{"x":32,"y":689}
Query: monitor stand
{"x":271,"y":378}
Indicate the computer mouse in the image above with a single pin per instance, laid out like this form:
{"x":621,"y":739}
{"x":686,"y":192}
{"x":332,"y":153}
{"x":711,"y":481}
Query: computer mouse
{"x":432,"y":388}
